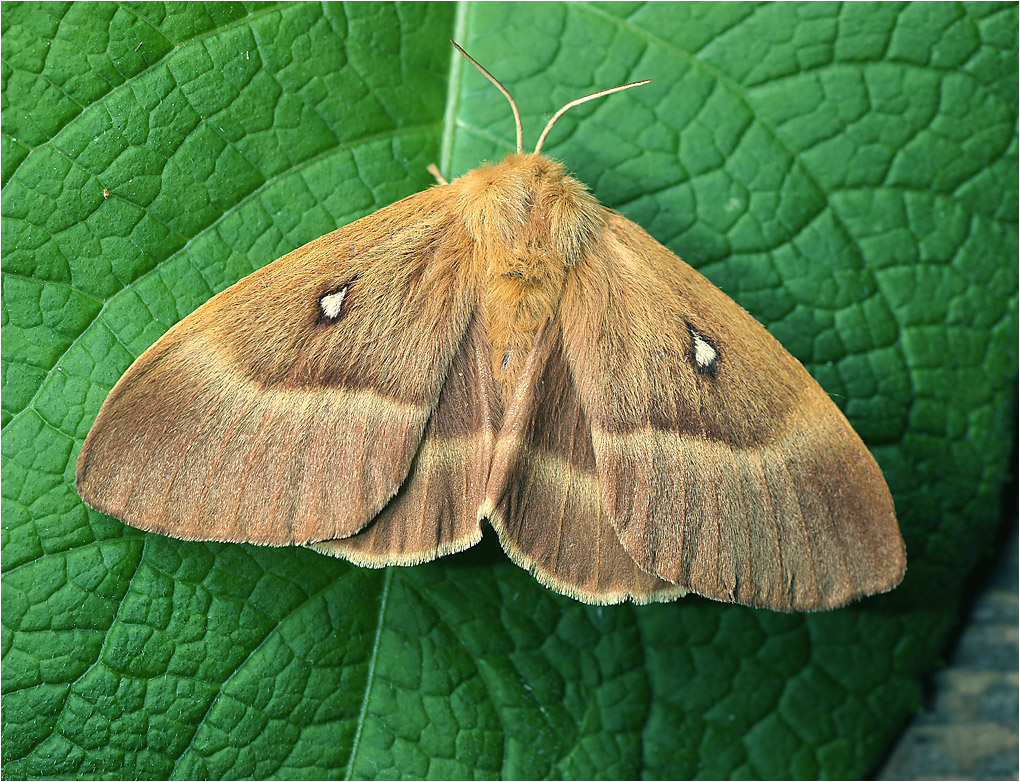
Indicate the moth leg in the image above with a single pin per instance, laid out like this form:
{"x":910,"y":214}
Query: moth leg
{"x":434,"y":170}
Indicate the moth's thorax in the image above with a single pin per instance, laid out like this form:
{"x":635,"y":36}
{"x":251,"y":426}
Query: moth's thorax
{"x":531,"y":223}
{"x":528,"y":204}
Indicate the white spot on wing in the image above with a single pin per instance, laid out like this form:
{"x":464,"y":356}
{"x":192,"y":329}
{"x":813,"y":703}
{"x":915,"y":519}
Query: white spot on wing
{"x":331,"y":303}
{"x":704,"y":353}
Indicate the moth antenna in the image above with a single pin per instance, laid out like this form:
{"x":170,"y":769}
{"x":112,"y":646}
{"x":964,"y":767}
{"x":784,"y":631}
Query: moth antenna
{"x":578,"y":102}
{"x":501,"y":88}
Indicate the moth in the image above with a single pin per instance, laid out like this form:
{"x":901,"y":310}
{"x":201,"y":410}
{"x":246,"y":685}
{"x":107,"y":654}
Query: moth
{"x":501,"y":347}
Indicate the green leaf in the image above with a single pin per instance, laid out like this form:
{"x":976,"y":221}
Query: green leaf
{"x":848,"y":173}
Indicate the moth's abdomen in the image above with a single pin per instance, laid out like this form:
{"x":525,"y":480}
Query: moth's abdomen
{"x":519,"y":298}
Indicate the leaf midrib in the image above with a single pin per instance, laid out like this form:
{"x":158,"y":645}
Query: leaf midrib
{"x":445,"y":163}
{"x":453,"y":93}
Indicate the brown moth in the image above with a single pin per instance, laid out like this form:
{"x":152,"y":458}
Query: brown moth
{"x":501,"y":347}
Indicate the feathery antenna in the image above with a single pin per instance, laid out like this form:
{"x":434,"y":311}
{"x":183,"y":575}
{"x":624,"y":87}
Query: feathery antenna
{"x":578,"y":102}
{"x":501,"y":88}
